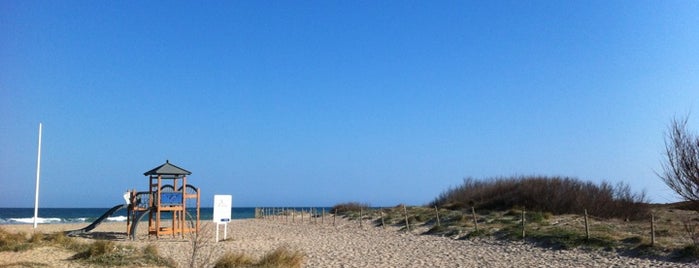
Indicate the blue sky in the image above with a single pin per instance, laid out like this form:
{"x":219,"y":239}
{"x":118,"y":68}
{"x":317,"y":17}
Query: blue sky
{"x":283,"y":103}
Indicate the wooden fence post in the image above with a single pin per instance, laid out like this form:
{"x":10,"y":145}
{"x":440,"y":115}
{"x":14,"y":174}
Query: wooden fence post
{"x":652,"y":230}
{"x":475,"y":220}
{"x":383,"y":224}
{"x":360,"y":217}
{"x":322,"y":217}
{"x":407,"y":223}
{"x":587,"y":227}
{"x":334,"y":215}
{"x":437,"y":211}
{"x":523,"y":222}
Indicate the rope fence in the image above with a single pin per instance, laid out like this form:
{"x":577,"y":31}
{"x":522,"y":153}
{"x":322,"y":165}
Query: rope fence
{"x":651,"y":231}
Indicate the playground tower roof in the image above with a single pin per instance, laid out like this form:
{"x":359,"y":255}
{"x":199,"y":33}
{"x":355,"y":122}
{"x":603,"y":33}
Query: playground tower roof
{"x":167,"y":169}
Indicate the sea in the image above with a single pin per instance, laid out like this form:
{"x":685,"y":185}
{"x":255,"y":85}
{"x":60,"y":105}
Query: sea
{"x":88,"y":215}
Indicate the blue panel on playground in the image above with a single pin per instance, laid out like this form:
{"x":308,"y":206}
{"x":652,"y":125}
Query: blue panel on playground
{"x":170,"y":198}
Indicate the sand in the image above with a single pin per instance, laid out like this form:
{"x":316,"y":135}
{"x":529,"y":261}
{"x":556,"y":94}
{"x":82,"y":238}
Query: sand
{"x":344,"y":245}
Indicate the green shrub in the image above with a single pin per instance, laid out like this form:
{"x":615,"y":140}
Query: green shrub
{"x":345,"y":208}
{"x":557,"y":195}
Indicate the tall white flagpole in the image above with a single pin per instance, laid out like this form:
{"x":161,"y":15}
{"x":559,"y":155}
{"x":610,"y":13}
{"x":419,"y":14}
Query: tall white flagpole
{"x":38,"y":169}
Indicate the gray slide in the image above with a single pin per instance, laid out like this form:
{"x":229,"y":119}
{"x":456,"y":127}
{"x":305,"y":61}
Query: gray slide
{"x":97,"y":221}
{"x":138,"y":219}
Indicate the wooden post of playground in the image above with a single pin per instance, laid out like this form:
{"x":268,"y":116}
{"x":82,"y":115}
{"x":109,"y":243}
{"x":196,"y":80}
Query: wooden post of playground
{"x":652,"y":230}
{"x":587,"y":226}
{"x":475,"y":219}
{"x":407,"y":223}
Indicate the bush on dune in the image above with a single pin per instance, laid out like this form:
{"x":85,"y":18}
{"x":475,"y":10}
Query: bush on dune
{"x":551,"y":194}
{"x":349,"y":207}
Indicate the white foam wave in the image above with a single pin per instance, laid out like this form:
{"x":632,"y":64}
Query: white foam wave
{"x":117,"y":218}
{"x":31,"y":220}
{"x":76,"y":220}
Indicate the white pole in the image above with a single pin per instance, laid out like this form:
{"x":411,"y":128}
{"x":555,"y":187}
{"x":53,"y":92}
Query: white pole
{"x":217,"y":232}
{"x":38,"y":169}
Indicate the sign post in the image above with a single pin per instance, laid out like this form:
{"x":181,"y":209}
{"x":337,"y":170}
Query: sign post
{"x":222,"y":212}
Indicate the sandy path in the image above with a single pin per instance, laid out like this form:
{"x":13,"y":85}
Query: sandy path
{"x":348,"y":245}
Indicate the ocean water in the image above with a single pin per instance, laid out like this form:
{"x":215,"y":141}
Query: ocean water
{"x":88,"y":215}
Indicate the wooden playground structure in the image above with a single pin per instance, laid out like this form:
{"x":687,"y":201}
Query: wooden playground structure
{"x":168,"y":193}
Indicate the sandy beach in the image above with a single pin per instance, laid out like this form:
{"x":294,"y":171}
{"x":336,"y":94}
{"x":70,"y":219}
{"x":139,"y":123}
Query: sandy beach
{"x":344,"y":245}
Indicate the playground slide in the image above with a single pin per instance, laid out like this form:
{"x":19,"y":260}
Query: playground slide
{"x":97,"y":221}
{"x":138,"y":219}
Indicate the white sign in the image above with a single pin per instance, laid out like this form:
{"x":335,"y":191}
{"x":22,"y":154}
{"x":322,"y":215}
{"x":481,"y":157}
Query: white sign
{"x":222,"y":208}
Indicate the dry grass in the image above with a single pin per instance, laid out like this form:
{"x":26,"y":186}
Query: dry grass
{"x":99,"y":252}
{"x":109,"y":253}
{"x":282,"y":257}
{"x":231,"y":259}
{"x":13,"y":241}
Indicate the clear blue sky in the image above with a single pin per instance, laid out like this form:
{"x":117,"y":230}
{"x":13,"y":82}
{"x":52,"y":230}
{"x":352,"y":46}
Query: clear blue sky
{"x":299,"y":103}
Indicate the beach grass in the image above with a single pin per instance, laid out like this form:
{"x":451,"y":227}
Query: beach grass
{"x":98,"y":252}
{"x":14,"y":241}
{"x":548,"y":211}
{"x":281,"y":257}
{"x":109,"y":253}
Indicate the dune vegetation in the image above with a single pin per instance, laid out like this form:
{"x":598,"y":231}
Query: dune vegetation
{"x":282,"y":257}
{"x":552,"y":212}
{"x":98,"y":252}
{"x":556,"y":195}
